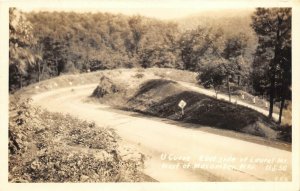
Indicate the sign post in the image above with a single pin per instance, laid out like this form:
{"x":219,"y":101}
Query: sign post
{"x":182,"y":104}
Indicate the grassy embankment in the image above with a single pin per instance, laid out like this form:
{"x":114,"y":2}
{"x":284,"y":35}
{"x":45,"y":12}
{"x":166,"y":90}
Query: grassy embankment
{"x":159,"y":96}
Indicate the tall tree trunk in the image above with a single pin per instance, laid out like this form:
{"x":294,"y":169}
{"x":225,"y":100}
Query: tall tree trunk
{"x":273,"y":67}
{"x":43,"y":70}
{"x":56,"y":67}
{"x":284,"y":89}
{"x":228,"y":88}
{"x":281,"y":108}
{"x":39,"y":72}
{"x":272,"y":88}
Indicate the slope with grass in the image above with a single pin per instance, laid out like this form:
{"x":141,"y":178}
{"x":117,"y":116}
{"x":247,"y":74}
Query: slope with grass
{"x":160,"y":98}
{"x":157,"y":96}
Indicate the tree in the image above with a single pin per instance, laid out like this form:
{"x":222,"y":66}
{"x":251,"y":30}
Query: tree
{"x":212,"y":75}
{"x":285,"y":78}
{"x":20,"y":40}
{"x":205,"y":46}
{"x":273,"y":27}
{"x":138,"y":30}
{"x":55,"y":54}
{"x":159,"y":50}
{"x":38,"y":52}
{"x":233,"y":53}
{"x":200,"y":46}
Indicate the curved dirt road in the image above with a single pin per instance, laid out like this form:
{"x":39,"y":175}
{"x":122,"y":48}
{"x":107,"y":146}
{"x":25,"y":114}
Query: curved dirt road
{"x":176,"y":153}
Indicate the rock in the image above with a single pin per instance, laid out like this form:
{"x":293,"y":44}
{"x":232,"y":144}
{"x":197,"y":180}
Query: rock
{"x":105,"y":87}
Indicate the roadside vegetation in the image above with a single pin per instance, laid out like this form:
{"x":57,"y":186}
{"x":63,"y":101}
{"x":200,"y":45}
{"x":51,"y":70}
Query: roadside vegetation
{"x":52,"y":147}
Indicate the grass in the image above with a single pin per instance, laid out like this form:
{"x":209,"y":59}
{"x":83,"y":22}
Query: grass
{"x":205,"y":110}
{"x":248,"y":98}
{"x":174,"y":74}
{"x":151,"y":84}
{"x":119,"y":76}
{"x":160,"y":98}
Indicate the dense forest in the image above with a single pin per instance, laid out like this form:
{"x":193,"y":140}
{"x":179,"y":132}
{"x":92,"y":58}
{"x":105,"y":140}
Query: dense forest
{"x":249,"y":51}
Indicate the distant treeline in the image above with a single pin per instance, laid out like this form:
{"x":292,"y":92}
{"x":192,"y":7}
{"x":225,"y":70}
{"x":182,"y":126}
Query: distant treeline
{"x":77,"y":42}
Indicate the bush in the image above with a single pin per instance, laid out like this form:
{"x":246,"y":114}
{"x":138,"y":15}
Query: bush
{"x":52,"y":147}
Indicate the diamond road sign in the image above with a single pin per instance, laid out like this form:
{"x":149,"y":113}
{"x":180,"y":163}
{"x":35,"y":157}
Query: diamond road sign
{"x":182,"y":104}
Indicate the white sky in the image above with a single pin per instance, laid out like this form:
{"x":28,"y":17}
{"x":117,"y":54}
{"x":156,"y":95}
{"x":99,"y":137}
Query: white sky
{"x":162,"y":9}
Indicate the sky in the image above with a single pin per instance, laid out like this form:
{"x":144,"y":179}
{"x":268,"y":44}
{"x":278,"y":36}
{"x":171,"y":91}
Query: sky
{"x":161,"y":9}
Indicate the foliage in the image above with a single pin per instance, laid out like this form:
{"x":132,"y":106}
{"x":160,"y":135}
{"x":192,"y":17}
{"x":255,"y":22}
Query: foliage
{"x":20,"y":40}
{"x":273,"y":54}
{"x":51,"y":147}
{"x":69,"y":42}
{"x":212,"y":75}
{"x":225,"y":60}
{"x":234,"y":52}
{"x":101,"y":41}
{"x":200,"y":46}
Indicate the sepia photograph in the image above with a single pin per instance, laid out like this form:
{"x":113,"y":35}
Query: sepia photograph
{"x":150,"y":92}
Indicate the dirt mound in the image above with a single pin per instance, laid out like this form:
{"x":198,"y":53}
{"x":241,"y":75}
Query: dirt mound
{"x":161,"y":97}
{"x":156,"y":84}
{"x":152,"y":91}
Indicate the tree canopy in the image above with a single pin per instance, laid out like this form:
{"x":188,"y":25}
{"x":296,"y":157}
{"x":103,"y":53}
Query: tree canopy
{"x":272,"y":62}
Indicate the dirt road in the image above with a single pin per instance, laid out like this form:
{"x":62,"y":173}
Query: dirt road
{"x":176,"y":153}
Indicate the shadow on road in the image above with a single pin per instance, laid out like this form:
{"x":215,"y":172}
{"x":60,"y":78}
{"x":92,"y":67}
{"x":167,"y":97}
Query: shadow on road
{"x":227,"y":133}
